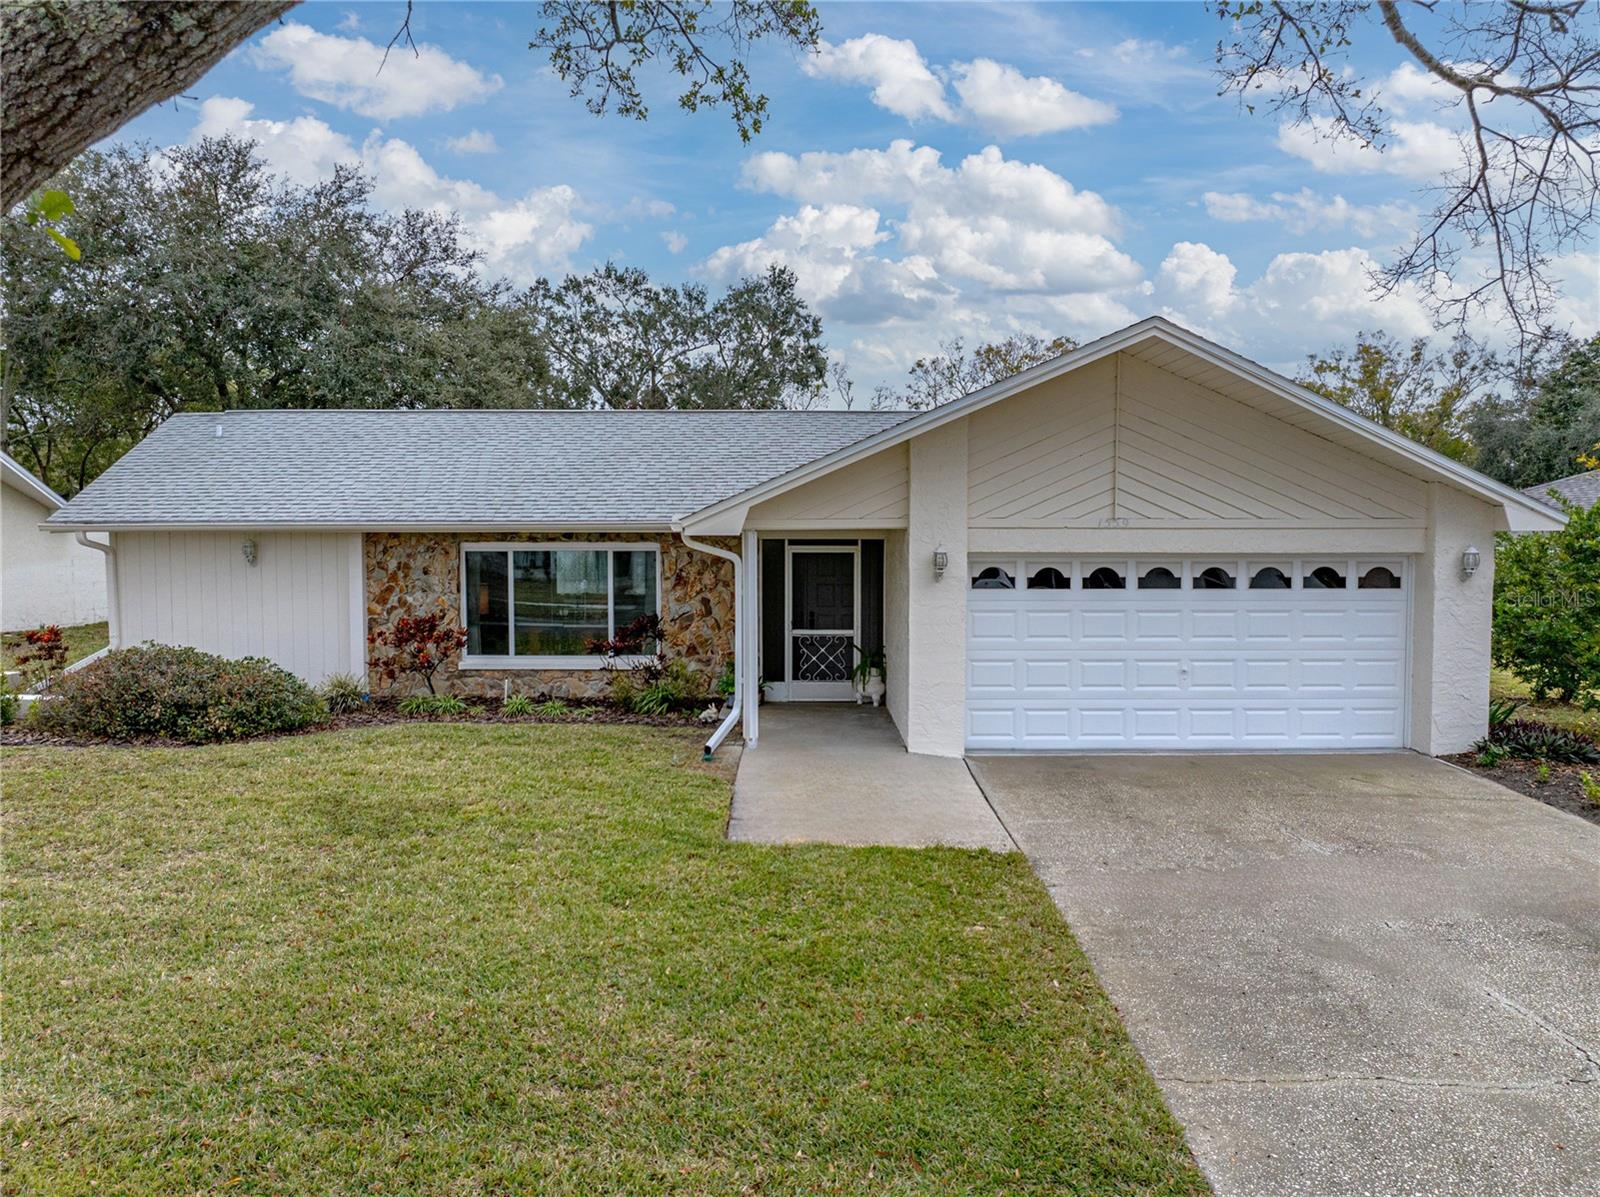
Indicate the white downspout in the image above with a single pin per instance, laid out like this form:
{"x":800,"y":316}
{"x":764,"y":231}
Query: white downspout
{"x":112,"y":614}
{"x":736,"y":703}
{"x":749,"y":661}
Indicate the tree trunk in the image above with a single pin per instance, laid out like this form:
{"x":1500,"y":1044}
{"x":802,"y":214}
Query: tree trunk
{"x":78,"y":70}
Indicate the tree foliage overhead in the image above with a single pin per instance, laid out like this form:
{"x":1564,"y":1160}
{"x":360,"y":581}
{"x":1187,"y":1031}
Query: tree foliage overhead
{"x":615,"y":339}
{"x":1524,"y":75}
{"x":1412,"y":389}
{"x":1547,"y":608}
{"x":1549,"y":427}
{"x":599,"y":47}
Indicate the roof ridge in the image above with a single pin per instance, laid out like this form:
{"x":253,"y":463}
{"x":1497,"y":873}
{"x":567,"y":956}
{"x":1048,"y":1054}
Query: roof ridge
{"x":553,"y":411}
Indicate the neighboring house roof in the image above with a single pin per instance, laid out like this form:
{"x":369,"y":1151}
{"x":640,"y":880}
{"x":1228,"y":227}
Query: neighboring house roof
{"x":19,"y":479}
{"x":1190,"y":356}
{"x":452,"y":469}
{"x":1582,"y":490}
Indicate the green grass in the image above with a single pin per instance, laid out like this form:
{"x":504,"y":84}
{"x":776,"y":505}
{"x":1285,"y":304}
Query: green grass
{"x":495,"y":959}
{"x":1505,"y":684}
{"x":82,"y":639}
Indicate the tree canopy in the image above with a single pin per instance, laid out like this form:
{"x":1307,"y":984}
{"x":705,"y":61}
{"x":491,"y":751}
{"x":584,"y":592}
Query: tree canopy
{"x":956,"y":371}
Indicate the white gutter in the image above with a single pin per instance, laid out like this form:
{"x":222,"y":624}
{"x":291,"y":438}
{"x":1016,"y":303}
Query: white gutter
{"x":736,"y":703}
{"x":113,"y":640}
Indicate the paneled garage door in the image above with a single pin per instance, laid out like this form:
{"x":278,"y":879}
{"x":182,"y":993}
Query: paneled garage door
{"x":1101,"y":653}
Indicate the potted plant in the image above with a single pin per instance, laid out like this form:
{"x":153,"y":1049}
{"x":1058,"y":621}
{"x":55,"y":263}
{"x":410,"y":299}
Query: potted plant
{"x":869,"y":675}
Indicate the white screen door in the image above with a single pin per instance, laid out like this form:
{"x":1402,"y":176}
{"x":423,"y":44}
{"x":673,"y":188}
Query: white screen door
{"x":823,"y":614}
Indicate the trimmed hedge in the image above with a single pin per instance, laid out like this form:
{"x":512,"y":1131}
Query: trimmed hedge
{"x":156,"y":690}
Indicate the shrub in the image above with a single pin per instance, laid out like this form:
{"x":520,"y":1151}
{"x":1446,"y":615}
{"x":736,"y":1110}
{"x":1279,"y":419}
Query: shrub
{"x":517,"y":706}
{"x":675,"y":686}
{"x":1547,"y":608}
{"x":417,"y":644}
{"x":1535,"y":741}
{"x":8,"y":706}
{"x":177,"y":693}
{"x":343,"y":692}
{"x":43,"y":651}
{"x":1591,"y":788}
{"x":552,"y":709}
{"x":433,"y":704}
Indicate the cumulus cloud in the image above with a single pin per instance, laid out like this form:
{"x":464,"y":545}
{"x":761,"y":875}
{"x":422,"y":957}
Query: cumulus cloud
{"x":1003,"y":101}
{"x":349,"y":72}
{"x":991,"y":95}
{"x":1306,"y":211}
{"x":1421,"y":150}
{"x":900,"y":78}
{"x":475,"y":142}
{"x":519,"y":237}
{"x":675,"y":241}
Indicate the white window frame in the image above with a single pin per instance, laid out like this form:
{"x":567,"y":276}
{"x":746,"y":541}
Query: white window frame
{"x":546,"y":661}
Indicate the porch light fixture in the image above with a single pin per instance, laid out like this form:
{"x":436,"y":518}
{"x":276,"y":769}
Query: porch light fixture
{"x":1470,"y":560}
{"x":941,"y":561}
{"x":248,"y":549}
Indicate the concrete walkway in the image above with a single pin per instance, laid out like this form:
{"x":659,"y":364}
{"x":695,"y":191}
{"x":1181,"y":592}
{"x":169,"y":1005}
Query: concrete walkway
{"x":831,"y":773}
{"x":1368,"y":973}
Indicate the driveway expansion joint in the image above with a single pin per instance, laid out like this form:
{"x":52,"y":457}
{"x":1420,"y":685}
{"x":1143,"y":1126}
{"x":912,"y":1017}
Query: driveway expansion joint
{"x":1588,"y":1077}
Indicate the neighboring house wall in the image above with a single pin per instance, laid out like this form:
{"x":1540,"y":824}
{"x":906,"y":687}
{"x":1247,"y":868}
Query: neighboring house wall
{"x":1451,"y":619}
{"x":45,"y":577}
{"x":298,"y":605}
{"x":874,"y":493}
{"x":408,"y":573}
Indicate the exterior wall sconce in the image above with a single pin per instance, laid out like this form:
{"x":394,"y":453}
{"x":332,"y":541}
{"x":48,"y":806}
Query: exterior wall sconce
{"x":248,"y":550}
{"x":941,"y":562}
{"x":1470,"y":560}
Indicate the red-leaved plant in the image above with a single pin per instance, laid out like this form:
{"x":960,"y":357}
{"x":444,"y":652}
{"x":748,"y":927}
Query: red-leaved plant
{"x":416,"y":644}
{"x":44,"y":653}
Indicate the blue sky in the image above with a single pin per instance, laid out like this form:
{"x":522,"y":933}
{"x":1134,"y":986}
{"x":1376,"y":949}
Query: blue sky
{"x":938,"y":171}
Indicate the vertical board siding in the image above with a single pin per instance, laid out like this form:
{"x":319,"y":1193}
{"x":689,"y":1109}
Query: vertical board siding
{"x":196,"y":589}
{"x":1125,"y":440}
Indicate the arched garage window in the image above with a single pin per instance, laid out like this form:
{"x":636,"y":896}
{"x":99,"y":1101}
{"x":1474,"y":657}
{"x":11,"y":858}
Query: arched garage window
{"x":1324,"y":577}
{"x":993,"y":578}
{"x":1104,"y":578}
{"x":1379,"y":578}
{"x":1049,"y":578}
{"x":1159,"y":577}
{"x":1214,"y":578}
{"x":1269,"y":577}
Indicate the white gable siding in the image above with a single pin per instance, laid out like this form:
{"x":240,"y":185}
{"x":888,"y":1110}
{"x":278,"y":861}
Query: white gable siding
{"x":1125,"y":444}
{"x":45,"y":577}
{"x":301,"y":605}
{"x":874,"y":493}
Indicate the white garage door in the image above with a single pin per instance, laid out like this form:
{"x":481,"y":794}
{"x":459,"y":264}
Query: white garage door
{"x":1098,"y":653}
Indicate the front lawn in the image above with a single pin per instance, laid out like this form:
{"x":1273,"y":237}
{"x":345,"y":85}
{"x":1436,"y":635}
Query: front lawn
{"x":1503,"y":684}
{"x":486,"y":959}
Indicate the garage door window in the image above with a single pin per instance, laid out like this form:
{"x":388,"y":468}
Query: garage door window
{"x":1159,"y":577}
{"x":1214,"y":577}
{"x":1049,"y":578}
{"x":993,"y":578}
{"x":1269,"y":577}
{"x":1104,"y":578}
{"x":1323,"y":577}
{"x":1379,"y":577}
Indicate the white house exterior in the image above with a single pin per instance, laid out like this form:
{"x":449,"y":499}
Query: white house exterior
{"x":1148,"y":543}
{"x":45,"y":578}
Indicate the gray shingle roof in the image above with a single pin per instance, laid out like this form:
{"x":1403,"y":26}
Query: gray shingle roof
{"x":403,"y":468}
{"x":1582,"y":489}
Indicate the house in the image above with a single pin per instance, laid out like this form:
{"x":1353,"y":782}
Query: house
{"x":1583,"y":490}
{"x":44,"y":579}
{"x":1147,"y":543}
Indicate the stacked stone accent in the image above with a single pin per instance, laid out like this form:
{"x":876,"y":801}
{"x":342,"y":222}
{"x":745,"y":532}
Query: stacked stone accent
{"x":407,"y":573}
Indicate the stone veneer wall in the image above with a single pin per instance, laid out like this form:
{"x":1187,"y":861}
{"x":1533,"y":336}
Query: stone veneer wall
{"x":408,"y":572}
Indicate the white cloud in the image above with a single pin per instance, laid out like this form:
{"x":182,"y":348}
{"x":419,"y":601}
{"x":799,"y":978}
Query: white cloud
{"x":1306,"y":211}
{"x":350,"y":72}
{"x":350,"y":21}
{"x":1421,"y":150}
{"x":1003,"y":101}
{"x":475,"y":142}
{"x":992,"y":95}
{"x":519,"y":238}
{"x":644,"y":207}
{"x":675,"y":241}
{"x":900,"y":79}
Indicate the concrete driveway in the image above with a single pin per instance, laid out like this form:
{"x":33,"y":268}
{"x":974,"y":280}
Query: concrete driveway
{"x":1362,"y":974}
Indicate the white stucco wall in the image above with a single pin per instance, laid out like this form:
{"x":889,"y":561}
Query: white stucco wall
{"x":896,"y":630}
{"x":301,"y":605}
{"x":936,"y":652}
{"x":1451,"y":619}
{"x":45,"y":577}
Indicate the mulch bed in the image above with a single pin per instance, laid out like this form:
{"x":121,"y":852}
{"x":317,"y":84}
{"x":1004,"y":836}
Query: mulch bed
{"x":382,"y":713}
{"x":1564,"y":790}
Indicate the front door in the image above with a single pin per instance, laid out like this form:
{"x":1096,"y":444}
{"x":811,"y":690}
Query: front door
{"x":823,"y":621}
